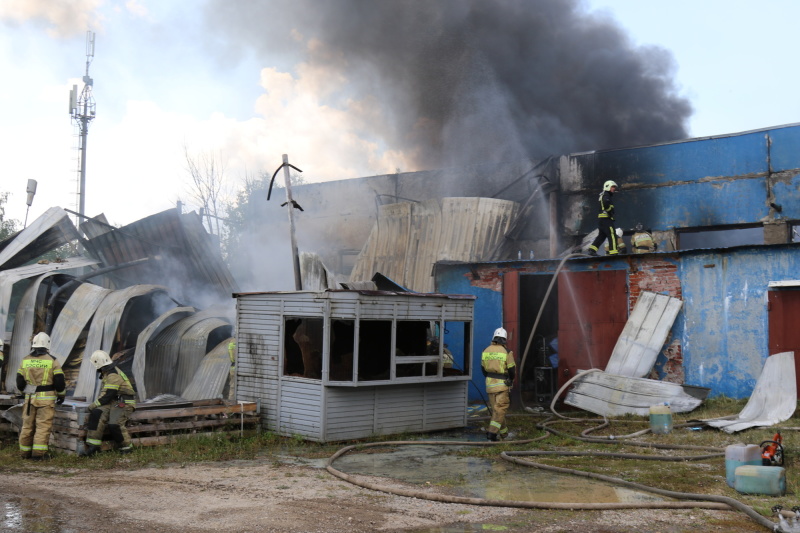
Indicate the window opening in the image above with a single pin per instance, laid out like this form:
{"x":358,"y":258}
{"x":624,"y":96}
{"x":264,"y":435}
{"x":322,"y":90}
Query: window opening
{"x":721,"y":237}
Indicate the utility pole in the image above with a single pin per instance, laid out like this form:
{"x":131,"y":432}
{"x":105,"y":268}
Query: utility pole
{"x":82,"y":110}
{"x":298,"y":282}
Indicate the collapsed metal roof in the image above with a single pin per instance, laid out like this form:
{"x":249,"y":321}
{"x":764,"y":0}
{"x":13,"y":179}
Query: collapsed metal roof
{"x":182,"y":256}
{"x":124,"y":311}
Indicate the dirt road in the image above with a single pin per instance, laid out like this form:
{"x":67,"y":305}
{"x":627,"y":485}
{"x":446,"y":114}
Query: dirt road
{"x":267,"y":496}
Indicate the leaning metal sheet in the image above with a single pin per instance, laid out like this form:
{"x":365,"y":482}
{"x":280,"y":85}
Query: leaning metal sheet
{"x":774,"y":399}
{"x":73,"y":319}
{"x":212,"y":374}
{"x":193,"y":348}
{"x":24,"y":323}
{"x":102,"y":331}
{"x":643,"y":336}
{"x":152,"y":330}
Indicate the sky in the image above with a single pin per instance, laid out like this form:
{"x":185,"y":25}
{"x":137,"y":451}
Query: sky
{"x":172,"y":77}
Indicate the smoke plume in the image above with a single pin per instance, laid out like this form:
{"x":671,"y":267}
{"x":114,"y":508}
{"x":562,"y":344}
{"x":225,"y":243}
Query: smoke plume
{"x":458,"y":82}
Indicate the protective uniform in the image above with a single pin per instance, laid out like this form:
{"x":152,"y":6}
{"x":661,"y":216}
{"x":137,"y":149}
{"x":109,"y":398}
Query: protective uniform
{"x":497,"y":365}
{"x":41,"y":379}
{"x":114,"y":406}
{"x":605,"y":221}
{"x":642,"y":241}
{"x":620,"y":242}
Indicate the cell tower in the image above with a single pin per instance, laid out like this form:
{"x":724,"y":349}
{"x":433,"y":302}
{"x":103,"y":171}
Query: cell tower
{"x":82,"y":110}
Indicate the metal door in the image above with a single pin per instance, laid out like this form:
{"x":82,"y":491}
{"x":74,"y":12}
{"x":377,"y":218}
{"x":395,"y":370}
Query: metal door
{"x":592,"y":311}
{"x":784,"y":335}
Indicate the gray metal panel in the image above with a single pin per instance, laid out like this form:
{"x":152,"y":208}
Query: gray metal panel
{"x":300,"y":408}
{"x":49,"y":231}
{"x":315,"y":275}
{"x":23,"y":329}
{"x":153,"y":329}
{"x":102,"y":331}
{"x":408,"y":239}
{"x":211,"y":375}
{"x":193,"y":349}
{"x":11,"y":276}
{"x":184,"y":258}
{"x":73,"y":319}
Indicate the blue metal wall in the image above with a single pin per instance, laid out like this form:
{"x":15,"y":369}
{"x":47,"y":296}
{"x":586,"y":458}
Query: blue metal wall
{"x":698,"y":182}
{"x":722,"y":327}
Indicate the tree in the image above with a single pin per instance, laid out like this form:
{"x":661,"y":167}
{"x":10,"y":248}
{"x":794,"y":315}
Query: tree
{"x":207,"y":173}
{"x":7,"y":226}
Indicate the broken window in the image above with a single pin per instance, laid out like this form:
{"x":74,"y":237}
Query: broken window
{"x":720,"y":237}
{"x":342,"y":342}
{"x":374,"y":350}
{"x":302,"y":343}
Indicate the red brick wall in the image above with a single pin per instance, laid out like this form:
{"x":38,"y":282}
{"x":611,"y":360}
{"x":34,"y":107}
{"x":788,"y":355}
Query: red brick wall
{"x":661,"y":277}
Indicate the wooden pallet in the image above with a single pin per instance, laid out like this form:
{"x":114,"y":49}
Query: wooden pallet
{"x":154,"y":425}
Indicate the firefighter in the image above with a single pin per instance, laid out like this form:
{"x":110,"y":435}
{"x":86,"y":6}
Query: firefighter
{"x":642,"y":241}
{"x":41,"y":379}
{"x":605,"y":221}
{"x":113,"y":407}
{"x":497,"y":365}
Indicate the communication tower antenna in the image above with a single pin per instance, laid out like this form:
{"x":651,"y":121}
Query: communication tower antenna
{"x":82,"y":111}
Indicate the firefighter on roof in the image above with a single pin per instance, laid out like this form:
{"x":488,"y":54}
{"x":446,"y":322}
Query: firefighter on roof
{"x":605,"y":221}
{"x":497,"y":365}
{"x":113,"y":407}
{"x":41,"y":379}
{"x":642,"y":241}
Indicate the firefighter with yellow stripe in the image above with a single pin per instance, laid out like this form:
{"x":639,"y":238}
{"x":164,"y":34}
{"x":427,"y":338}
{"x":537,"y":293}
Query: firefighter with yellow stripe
{"x":41,"y":379}
{"x":642,"y":241}
{"x":497,"y":365}
{"x":605,"y":221}
{"x":113,"y":407}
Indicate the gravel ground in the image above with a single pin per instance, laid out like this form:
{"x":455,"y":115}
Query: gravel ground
{"x":266,"y":496}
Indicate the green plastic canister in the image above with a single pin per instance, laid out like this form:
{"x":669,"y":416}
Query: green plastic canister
{"x":660,"y":419}
{"x":737,"y":455}
{"x":769,"y":480}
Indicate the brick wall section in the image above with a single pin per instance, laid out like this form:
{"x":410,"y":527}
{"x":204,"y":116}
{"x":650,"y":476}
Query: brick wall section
{"x":660,"y":277}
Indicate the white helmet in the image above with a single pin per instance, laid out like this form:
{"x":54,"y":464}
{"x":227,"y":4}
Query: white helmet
{"x":500,"y":332}
{"x":608,"y":184}
{"x":619,"y":232}
{"x":41,"y":340}
{"x":100,"y":359}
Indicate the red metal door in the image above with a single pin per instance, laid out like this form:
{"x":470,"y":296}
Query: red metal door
{"x":592,"y":310}
{"x":784,"y":335}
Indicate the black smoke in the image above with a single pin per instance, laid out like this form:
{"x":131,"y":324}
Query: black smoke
{"x":460,"y":82}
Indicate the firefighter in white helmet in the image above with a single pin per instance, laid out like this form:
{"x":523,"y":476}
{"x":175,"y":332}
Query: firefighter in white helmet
{"x":41,"y":379}
{"x":113,"y":407}
{"x":497,"y":365}
{"x":606,"y":227}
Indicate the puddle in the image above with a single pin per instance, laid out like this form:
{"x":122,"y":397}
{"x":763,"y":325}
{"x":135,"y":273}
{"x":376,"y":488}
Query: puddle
{"x":30,"y":515}
{"x":484,"y":478}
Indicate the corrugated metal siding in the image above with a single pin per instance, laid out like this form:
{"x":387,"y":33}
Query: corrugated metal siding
{"x":409,"y":238}
{"x":23,"y":331}
{"x":193,"y":345}
{"x":211,"y":375}
{"x":49,"y":231}
{"x":13,"y":275}
{"x":153,"y":329}
{"x":102,"y":332}
{"x":73,"y":319}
